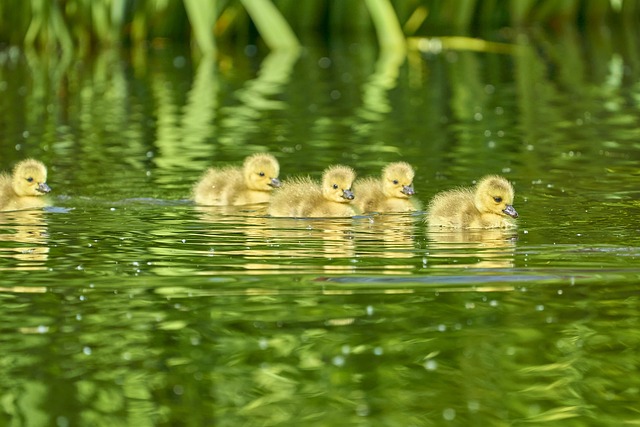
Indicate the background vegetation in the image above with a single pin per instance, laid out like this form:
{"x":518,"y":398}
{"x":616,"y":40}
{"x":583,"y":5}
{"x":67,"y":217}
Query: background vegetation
{"x":86,"y":25}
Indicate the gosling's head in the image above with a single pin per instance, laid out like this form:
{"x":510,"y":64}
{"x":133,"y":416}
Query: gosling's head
{"x":397,"y":180}
{"x":337,"y":182}
{"x":494,"y":194}
{"x":30,"y":178}
{"x":261,"y":172}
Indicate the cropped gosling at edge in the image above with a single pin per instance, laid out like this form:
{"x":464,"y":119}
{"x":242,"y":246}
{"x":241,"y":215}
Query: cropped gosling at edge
{"x":487,"y":205}
{"x":235,"y":186}
{"x":305,"y":198}
{"x":391,"y":193}
{"x":24,"y":188}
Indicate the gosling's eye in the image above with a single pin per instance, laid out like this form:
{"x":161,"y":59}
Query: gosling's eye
{"x":261,"y":174}
{"x":498,"y":199}
{"x":395,"y":182}
{"x":30,"y":179}
{"x":335,"y":186}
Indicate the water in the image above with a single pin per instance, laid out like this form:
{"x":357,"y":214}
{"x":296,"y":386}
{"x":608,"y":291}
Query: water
{"x":125,"y":304}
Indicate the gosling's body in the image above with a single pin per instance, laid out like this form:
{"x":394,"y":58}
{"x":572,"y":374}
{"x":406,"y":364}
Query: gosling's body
{"x":391,"y":193}
{"x":235,"y":186}
{"x":487,"y":205}
{"x":305,"y":198}
{"x":24,"y":188}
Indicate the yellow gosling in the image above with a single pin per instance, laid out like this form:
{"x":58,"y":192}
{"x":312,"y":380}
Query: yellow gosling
{"x":391,"y":193}
{"x":488,"y":205}
{"x":235,"y":186}
{"x":305,"y":198}
{"x":24,"y":188}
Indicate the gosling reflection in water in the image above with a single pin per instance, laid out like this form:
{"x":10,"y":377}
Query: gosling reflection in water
{"x":494,"y":248}
{"x":307,"y":240}
{"x":390,"y":237}
{"x":274,"y":245}
{"x":24,"y":238}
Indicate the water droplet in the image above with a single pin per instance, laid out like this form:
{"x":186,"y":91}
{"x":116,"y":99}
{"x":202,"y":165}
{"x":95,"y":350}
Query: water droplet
{"x":250,"y":50}
{"x":324,"y":62}
{"x":86,"y":350}
{"x":430,"y":365}
{"x":449,"y":414}
{"x":362,"y":410}
{"x":179,"y":62}
{"x":338,"y":361}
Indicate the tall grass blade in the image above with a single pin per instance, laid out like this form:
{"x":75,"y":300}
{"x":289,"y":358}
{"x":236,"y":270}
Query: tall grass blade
{"x":202,"y":16}
{"x":386,"y":22}
{"x":273,"y":27}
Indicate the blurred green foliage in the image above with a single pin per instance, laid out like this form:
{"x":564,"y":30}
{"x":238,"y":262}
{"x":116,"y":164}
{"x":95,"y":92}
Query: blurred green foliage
{"x":85,"y":24}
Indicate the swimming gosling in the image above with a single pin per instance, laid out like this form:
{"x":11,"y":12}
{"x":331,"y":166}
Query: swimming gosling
{"x":488,"y":205}
{"x":305,"y":198}
{"x":24,"y":188}
{"x":235,"y":186}
{"x":391,"y":193}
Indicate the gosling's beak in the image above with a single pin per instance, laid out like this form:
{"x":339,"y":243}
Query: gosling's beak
{"x":275,"y":183}
{"x":408,"y":190}
{"x":43,"y":187}
{"x":511,"y":211}
{"x":347,"y":194}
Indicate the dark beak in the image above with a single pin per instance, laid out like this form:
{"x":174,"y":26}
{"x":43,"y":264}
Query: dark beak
{"x":43,"y":187}
{"x":510,"y":210}
{"x":275,"y":182}
{"x":408,"y":190}
{"x":347,"y":194}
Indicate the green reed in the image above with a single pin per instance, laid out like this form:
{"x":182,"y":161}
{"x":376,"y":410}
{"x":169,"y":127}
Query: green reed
{"x":85,"y":25}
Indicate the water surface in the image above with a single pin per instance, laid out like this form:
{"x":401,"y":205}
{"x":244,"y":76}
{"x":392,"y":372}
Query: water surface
{"x":125,"y":304}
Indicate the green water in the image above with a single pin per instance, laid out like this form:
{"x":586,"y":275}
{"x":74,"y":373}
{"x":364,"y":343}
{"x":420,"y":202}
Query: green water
{"x":125,"y":304}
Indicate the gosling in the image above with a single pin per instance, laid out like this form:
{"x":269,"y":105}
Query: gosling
{"x":305,"y":198}
{"x":24,"y":188}
{"x":391,"y":193}
{"x":488,"y":205}
{"x":235,"y":186}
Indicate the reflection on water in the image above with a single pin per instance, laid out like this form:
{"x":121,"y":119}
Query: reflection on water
{"x":23,"y":240}
{"x":278,"y":245}
{"x":492,"y":248}
{"x":307,"y":239}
